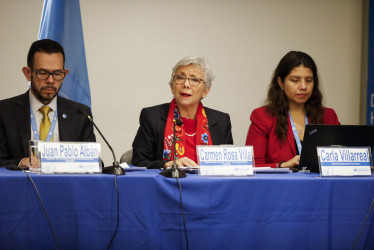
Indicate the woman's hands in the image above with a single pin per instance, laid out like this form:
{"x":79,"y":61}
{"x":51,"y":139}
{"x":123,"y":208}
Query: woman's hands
{"x":292,"y":163}
{"x":182,"y":162}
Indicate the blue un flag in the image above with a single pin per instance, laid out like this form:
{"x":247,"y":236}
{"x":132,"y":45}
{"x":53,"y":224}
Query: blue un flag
{"x":61,"y":21}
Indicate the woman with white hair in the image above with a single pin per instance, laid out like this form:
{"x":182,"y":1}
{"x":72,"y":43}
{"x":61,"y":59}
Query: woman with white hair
{"x":190,"y":82}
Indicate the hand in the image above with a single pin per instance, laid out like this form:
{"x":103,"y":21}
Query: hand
{"x":25,"y":163}
{"x":292,"y":163}
{"x":182,"y":162}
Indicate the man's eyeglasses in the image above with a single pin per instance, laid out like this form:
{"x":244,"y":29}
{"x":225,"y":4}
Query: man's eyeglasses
{"x":58,"y":75}
{"x":194,"y":81}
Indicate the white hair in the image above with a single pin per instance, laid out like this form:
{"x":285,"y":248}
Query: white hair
{"x":202,"y":61}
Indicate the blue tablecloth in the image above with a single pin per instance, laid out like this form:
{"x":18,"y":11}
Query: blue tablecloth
{"x":268,"y":211}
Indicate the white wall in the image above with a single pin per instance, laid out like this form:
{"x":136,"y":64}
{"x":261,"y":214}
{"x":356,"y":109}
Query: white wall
{"x":132,"y":45}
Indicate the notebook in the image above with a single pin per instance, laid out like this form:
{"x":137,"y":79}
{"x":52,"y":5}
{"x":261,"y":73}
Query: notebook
{"x":332,"y":135}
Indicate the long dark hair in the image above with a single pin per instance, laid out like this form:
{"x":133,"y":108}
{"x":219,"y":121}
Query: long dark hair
{"x":277,"y":102}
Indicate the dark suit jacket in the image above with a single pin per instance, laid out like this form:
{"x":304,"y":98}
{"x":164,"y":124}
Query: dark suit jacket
{"x":148,"y":145}
{"x":268,"y":149}
{"x":15,"y":130}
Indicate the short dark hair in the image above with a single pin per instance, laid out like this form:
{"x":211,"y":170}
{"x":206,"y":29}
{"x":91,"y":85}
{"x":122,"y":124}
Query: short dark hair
{"x":45,"y":45}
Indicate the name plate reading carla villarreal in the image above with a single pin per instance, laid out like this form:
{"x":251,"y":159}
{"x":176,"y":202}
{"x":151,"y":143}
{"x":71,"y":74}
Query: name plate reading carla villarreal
{"x":344,"y":161}
{"x":69,"y":157}
{"x":225,"y":160}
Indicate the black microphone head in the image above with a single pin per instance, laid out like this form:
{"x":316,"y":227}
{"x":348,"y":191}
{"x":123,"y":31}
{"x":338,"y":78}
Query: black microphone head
{"x":81,"y":111}
{"x":179,"y":122}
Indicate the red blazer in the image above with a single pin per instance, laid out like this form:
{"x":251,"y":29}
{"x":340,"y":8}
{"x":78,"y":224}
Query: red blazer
{"x":268,"y":149}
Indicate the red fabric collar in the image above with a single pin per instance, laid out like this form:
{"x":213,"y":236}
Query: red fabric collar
{"x":202,"y":136}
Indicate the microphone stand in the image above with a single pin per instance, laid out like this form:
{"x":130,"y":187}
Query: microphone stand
{"x":115,"y":168}
{"x":173,"y":172}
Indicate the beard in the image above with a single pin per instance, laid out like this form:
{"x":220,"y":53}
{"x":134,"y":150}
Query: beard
{"x":44,"y":98}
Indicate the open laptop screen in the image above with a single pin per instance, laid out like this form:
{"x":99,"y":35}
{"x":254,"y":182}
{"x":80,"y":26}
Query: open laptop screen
{"x":332,"y":135}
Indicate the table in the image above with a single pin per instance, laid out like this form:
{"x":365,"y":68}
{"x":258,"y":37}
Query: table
{"x":267,"y":211}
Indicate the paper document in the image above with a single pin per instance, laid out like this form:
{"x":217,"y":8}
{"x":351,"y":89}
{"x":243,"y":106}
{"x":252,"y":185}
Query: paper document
{"x":189,"y":169}
{"x":128,"y":168}
{"x":271,"y":170}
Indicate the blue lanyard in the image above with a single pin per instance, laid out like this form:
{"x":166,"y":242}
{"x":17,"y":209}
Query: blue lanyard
{"x":35,"y":129}
{"x":294,"y":131}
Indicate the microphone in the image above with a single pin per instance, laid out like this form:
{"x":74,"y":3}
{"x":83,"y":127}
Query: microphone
{"x":174,"y":172}
{"x":115,"y":169}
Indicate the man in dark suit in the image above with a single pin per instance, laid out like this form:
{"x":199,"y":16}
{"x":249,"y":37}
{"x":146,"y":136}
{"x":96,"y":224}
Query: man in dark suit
{"x":22,"y":118}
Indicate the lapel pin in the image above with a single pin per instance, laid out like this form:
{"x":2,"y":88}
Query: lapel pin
{"x":64,"y":116}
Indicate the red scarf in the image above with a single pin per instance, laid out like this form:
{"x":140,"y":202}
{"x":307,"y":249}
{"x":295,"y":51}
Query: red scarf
{"x":202,"y":136}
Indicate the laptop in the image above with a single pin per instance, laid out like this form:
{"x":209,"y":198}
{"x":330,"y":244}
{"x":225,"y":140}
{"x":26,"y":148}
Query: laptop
{"x":332,"y":135}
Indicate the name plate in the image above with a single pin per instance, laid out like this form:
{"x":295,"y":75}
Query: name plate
{"x":344,"y":161}
{"x":69,"y":157}
{"x":225,"y":160}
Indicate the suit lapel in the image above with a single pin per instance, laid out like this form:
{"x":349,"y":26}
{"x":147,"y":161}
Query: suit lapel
{"x":63,"y":119}
{"x":22,"y":114}
{"x":163,"y":112}
{"x":164,"y":116}
{"x":212,"y":124}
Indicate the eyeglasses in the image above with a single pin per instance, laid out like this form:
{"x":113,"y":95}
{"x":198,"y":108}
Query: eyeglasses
{"x":194,"y":81}
{"x":58,"y":75}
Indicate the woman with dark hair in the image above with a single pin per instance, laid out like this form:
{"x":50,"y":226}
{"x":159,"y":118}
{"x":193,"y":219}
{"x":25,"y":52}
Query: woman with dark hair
{"x":294,"y":99}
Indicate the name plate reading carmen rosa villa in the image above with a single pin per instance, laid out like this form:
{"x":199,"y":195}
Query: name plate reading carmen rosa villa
{"x":69,"y":157}
{"x":344,"y":161}
{"x":225,"y":160}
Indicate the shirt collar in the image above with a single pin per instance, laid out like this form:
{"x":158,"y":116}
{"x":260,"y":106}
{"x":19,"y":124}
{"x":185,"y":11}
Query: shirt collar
{"x":36,"y":104}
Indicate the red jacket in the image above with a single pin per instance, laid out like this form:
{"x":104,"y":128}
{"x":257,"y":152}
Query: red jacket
{"x":268,"y":149}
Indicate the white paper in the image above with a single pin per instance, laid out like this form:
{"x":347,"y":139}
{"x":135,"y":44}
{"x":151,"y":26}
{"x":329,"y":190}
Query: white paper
{"x":271,"y":170}
{"x":344,"y":161}
{"x":126,"y":167}
{"x":225,"y":160}
{"x":69,"y":157}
